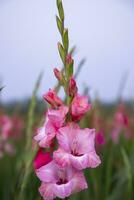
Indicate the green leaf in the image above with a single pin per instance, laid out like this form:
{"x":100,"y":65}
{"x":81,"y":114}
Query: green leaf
{"x":66,"y":40}
{"x":127,"y":163}
{"x":61,"y":52}
{"x":60,"y":9}
{"x":59,"y":25}
{"x":58,"y":2}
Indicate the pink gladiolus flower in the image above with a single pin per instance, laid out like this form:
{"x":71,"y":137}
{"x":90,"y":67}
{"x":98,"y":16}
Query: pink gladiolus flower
{"x":76,"y":148}
{"x":54,"y":120}
{"x":42,"y":158}
{"x":59,"y":182}
{"x":79,"y":107}
{"x":52,"y":98}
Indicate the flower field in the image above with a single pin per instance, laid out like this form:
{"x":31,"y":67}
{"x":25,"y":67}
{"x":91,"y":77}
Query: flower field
{"x":112,"y":179}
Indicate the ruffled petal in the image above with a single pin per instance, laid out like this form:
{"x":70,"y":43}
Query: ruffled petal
{"x":46,"y":191}
{"x":79,"y":162}
{"x":61,"y":158}
{"x":47,"y":173}
{"x":64,"y":190}
{"x":94,"y":160}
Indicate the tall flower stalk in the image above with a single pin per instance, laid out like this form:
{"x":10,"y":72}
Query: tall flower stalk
{"x":70,"y":149}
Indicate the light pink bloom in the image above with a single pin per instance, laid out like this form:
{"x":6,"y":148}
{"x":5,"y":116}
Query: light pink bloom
{"x":54,"y":120}
{"x":76,"y":148}
{"x":80,"y":106}
{"x":52,"y":98}
{"x":42,"y":158}
{"x":59,"y":182}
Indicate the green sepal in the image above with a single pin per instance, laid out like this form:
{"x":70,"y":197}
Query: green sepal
{"x":70,"y":69}
{"x":61,"y":52}
{"x":66,"y":40}
{"x":60,"y":9}
{"x":59,"y":25}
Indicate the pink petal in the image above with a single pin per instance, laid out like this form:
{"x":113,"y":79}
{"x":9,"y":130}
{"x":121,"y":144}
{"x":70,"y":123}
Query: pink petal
{"x":57,"y":117}
{"x":61,"y":158}
{"x":81,"y":139}
{"x":94,"y":160}
{"x":64,"y":190}
{"x":47,"y":173}
{"x":42,"y":158}
{"x":46,"y":191}
{"x":45,"y":134}
{"x":75,"y":184}
{"x":85,"y":140}
{"x":79,"y":162}
{"x":79,"y":182}
{"x":40,"y":134}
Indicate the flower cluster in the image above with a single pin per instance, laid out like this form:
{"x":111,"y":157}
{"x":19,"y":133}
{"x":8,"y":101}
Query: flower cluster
{"x":72,"y":149}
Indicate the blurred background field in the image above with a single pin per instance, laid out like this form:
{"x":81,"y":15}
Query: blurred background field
{"x":113,"y":179}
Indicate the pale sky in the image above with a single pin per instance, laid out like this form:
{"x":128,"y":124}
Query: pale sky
{"x":103,"y":31}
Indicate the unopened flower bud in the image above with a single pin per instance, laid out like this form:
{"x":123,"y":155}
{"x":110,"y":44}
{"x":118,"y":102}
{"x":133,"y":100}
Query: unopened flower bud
{"x":69,"y":65}
{"x":69,"y":59}
{"x":52,"y":98}
{"x":72,"y":90}
{"x":57,"y":74}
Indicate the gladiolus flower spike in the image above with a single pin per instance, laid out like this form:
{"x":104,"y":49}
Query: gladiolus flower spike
{"x":61,"y":170}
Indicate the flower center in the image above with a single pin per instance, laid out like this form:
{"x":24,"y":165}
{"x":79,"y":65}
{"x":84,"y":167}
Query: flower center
{"x":61,"y":181}
{"x":74,"y":148}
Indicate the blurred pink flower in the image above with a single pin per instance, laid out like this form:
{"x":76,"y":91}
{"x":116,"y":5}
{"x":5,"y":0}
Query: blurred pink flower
{"x":76,"y":148}
{"x":54,"y":120}
{"x":100,"y":138}
{"x":80,"y":106}
{"x":52,"y":98}
{"x":59,"y":182}
{"x":6,"y":148}
{"x":6,"y":126}
{"x":120,"y":125}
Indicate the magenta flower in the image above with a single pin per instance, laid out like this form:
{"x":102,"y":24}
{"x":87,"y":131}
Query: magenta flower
{"x":59,"y":182}
{"x":42,"y":158}
{"x":52,"y":98}
{"x":54,"y":120}
{"x":76,"y":148}
{"x":80,"y":106}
